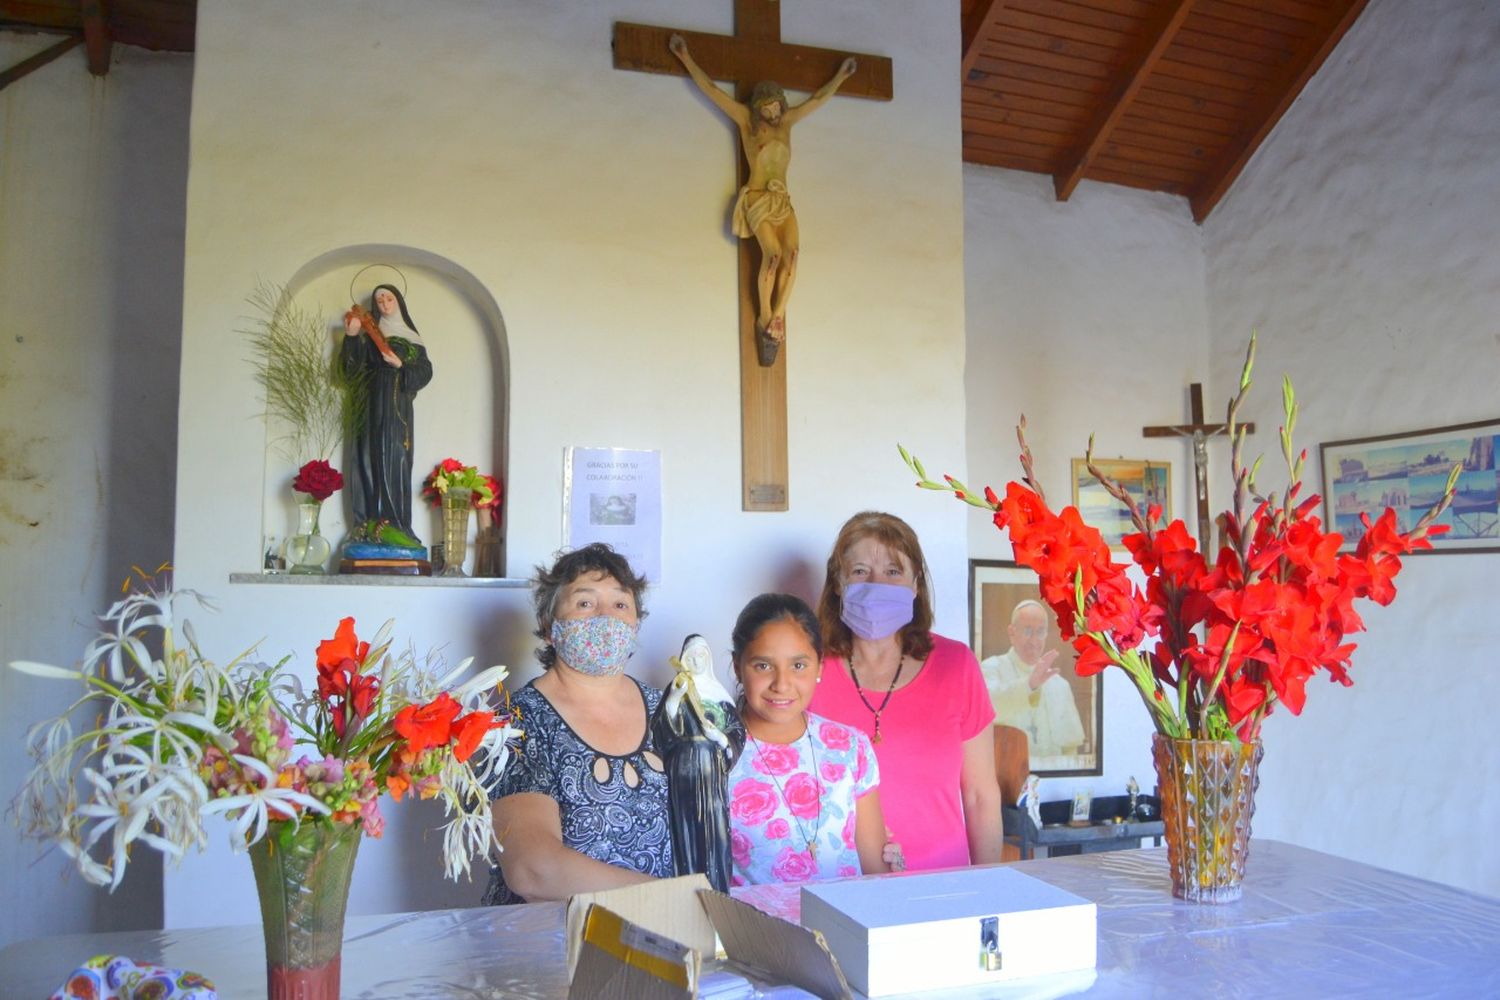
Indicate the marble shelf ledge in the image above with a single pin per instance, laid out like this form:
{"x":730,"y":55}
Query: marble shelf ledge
{"x":377,"y":580}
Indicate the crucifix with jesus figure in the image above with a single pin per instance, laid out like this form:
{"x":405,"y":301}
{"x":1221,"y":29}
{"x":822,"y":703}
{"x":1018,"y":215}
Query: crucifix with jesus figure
{"x":763,"y":217}
{"x":1200,"y":432}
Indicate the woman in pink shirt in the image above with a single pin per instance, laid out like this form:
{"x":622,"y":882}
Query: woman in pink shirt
{"x":920,"y":697}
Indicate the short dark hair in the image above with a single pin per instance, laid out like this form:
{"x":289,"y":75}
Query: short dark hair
{"x":596,"y":557}
{"x":768,"y":608}
{"x":897,"y":536}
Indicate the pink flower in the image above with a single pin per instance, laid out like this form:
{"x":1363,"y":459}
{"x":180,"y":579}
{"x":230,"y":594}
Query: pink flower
{"x":374,"y":822}
{"x":773,"y":758}
{"x":804,"y":795}
{"x":793,"y":866}
{"x":739,"y":849}
{"x":752,"y":802}
{"x":832,"y":770}
{"x":778,"y":829}
{"x":847,"y":871}
{"x":862,"y":764}
{"x":834,"y":736}
{"x":736,"y":880}
{"x":849,"y":830}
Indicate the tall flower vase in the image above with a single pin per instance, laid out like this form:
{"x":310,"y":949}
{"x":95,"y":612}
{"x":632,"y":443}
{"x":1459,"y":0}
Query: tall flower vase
{"x":1207,"y":790}
{"x":307,"y":551}
{"x":302,"y":876}
{"x":456,"y":507}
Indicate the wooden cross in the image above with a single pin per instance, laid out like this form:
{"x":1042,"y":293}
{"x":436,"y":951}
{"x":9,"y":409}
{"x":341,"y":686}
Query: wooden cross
{"x":754,"y":52}
{"x":1200,"y":432}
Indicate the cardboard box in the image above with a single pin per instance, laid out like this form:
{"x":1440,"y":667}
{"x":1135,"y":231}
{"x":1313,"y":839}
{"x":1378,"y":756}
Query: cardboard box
{"x":965,"y":927}
{"x":625,"y":942}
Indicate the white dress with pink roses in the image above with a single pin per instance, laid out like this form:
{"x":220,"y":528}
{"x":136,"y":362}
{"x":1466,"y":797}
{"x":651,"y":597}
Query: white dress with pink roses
{"x":777,"y":801}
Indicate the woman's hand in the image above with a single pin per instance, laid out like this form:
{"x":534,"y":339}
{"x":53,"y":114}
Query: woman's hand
{"x":891,"y":854}
{"x":391,"y":359}
{"x":352,"y":327}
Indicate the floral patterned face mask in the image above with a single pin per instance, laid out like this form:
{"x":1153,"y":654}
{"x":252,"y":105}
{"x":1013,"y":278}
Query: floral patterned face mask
{"x":599,"y":645}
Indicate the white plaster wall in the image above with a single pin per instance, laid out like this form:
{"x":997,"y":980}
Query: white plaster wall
{"x":93,"y":177}
{"x":591,"y":203}
{"x":1087,"y":316}
{"x":1360,"y":242}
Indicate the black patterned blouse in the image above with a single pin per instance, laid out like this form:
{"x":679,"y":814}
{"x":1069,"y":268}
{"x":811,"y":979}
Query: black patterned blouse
{"x":620,"y":820}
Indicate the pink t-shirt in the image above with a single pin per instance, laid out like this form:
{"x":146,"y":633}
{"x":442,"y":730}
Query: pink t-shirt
{"x":922,"y":732}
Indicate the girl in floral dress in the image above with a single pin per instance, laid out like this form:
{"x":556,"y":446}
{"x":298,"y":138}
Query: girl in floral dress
{"x":804,"y":804}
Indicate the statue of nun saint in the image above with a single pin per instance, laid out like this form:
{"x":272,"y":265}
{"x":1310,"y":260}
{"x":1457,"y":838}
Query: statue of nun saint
{"x":699,"y":734}
{"x":384,"y":344}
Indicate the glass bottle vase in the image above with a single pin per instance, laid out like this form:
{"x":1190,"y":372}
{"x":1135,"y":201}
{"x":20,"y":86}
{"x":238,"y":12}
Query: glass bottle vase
{"x":307,"y":551}
{"x":302,"y":874}
{"x":456,"y":506}
{"x":1207,"y":790}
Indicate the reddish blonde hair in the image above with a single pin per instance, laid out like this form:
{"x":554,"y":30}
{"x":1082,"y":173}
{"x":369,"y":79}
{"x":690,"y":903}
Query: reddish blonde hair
{"x":897,"y":536}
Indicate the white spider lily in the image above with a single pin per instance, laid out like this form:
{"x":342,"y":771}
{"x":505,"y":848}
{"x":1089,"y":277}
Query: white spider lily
{"x":258,"y":803}
{"x":166,"y":730}
{"x":492,"y":754}
{"x":124,"y":813}
{"x":46,"y":670}
{"x":473,"y":690}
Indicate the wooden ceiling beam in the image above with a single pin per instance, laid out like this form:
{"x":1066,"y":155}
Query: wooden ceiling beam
{"x":33,"y":63}
{"x":1262,"y":120}
{"x":96,"y":38}
{"x":976,"y":28}
{"x":1136,"y":67}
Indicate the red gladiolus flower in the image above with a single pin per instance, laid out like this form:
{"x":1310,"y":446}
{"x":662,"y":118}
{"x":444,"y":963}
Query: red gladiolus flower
{"x":468,"y":731}
{"x":344,"y":645}
{"x":429,"y":725}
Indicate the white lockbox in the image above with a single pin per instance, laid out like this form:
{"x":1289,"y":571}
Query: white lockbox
{"x":964,"y":927}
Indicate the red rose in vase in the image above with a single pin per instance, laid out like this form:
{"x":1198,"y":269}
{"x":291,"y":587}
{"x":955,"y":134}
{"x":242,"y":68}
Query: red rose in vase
{"x":318,"y":480}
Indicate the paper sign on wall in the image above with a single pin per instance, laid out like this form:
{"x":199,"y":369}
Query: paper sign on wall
{"x":613,"y":495}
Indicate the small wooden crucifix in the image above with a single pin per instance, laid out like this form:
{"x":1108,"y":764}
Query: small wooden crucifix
{"x":1200,"y":432}
{"x":754,"y":53}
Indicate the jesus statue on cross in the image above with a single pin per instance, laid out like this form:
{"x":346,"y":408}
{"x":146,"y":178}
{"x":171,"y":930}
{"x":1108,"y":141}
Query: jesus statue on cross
{"x":764,"y":208}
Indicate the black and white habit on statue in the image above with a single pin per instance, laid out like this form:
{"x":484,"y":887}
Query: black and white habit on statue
{"x":699,"y":735}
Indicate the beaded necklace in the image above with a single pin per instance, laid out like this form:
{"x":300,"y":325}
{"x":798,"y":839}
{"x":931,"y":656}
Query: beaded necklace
{"x":875,"y":737}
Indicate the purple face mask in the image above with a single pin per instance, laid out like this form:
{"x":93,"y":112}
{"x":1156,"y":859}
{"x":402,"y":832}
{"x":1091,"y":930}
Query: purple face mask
{"x":877,"y":610}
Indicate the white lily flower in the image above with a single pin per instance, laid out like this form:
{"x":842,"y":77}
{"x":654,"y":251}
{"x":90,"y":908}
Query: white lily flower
{"x":476,"y":687}
{"x":257,"y":804}
{"x":46,"y":670}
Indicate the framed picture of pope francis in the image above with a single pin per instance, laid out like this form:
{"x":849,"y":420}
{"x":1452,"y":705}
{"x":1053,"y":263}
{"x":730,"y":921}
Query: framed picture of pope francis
{"x":1029,"y":671}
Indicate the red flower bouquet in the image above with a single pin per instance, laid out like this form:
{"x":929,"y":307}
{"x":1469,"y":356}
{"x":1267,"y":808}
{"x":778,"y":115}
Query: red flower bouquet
{"x":318,"y":480}
{"x":450,"y":473}
{"x":1212,"y":647}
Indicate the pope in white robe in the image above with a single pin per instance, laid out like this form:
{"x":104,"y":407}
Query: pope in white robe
{"x":1027,"y":690}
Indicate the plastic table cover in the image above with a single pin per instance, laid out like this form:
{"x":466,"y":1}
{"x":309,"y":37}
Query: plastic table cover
{"x":1310,"y":924}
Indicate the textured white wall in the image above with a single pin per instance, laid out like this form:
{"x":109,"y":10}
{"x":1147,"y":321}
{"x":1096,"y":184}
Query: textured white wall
{"x":92,"y":179}
{"x":1089,"y":317}
{"x":591,"y":203}
{"x":1361,"y":242}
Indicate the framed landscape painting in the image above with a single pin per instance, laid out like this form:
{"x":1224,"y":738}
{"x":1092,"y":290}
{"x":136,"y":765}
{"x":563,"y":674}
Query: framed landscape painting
{"x":1147,"y":483}
{"x":1407,"y":472}
{"x":1063,"y":716}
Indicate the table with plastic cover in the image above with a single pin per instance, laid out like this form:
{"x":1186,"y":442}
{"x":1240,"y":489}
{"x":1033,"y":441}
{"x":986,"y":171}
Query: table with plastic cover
{"x":1310,"y":924}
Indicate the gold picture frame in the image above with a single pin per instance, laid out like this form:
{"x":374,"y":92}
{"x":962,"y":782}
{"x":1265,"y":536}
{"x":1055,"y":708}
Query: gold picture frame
{"x":1148,"y":482}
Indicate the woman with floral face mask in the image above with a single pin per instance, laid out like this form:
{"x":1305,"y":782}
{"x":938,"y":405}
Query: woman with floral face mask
{"x":583,"y":804}
{"x":920,"y":697}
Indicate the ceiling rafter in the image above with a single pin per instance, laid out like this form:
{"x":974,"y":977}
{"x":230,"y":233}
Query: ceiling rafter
{"x":1135,"y":69}
{"x":33,"y":63}
{"x":96,"y":39}
{"x":1217,"y":181}
{"x":977,"y":25}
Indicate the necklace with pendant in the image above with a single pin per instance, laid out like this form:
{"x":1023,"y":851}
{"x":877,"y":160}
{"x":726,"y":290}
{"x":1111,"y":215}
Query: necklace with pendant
{"x":810,"y":839}
{"x":875,"y":737}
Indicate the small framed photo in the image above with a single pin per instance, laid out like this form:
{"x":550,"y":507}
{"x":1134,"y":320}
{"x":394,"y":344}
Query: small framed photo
{"x":1083,"y":802}
{"x":1030,"y":673}
{"x":1407,"y":472}
{"x":1147,"y":483}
